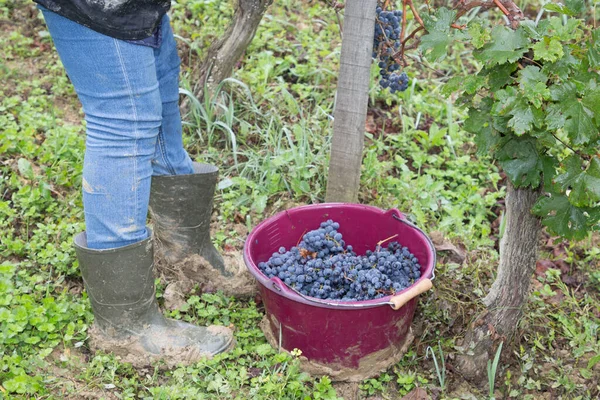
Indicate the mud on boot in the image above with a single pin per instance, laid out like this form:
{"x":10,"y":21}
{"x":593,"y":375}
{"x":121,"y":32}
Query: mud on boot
{"x":181,"y":208}
{"x":128,"y":322}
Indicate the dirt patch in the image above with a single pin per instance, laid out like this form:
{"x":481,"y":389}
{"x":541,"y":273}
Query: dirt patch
{"x":195,"y":270}
{"x":131,"y":350}
{"x":369,"y":366}
{"x":65,"y":365}
{"x":347,"y":390}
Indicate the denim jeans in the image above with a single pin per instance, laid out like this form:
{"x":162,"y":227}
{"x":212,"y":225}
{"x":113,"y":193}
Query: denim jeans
{"x":129,"y":95}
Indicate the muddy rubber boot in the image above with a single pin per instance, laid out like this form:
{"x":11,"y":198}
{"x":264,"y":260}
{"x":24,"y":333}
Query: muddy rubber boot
{"x":128,"y":322}
{"x":181,"y":207}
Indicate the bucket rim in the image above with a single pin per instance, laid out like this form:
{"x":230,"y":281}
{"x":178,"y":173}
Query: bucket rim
{"x":276,"y":285}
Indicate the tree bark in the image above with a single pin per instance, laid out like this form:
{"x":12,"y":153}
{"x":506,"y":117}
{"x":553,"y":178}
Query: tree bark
{"x":352,"y":98}
{"x":509,"y":292}
{"x":224,"y":53}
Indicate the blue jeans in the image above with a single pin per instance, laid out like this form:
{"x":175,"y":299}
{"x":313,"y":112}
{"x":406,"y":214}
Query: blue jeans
{"x":129,"y":95}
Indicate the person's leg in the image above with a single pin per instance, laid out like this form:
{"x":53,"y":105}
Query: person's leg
{"x":182,"y":192}
{"x":118,"y":87}
{"x":170,"y":157}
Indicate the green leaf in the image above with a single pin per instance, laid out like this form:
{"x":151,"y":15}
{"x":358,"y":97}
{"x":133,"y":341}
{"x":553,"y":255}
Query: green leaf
{"x":500,"y":76}
{"x":549,"y":165}
{"x":580,"y":126}
{"x":559,"y":8}
{"x":563,"y":67}
{"x":454,"y":84}
{"x":479,"y":35}
{"x":555,"y":28}
{"x":469,"y":84}
{"x":437,"y":42}
{"x":263,"y":349}
{"x":521,"y":161}
{"x":594,"y":49}
{"x":440,"y":21}
{"x":565,"y":219}
{"x":575,"y":6}
{"x":523,"y":116}
{"x":570,"y":111}
{"x":25,"y":168}
{"x":260,"y":203}
{"x":480,"y":122}
{"x":591,"y":99}
{"x":532,"y":82}
{"x":584,"y":184}
{"x":548,"y":49}
{"x":593,"y":361}
{"x":507,"y":46}
{"x":531,"y":29}
{"x":438,"y":36}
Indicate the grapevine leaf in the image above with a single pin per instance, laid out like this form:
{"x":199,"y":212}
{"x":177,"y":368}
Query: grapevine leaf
{"x":438,"y":35}
{"x":548,"y":49}
{"x":521,"y":161}
{"x":594,"y":49}
{"x":578,"y":119}
{"x":507,"y":46}
{"x":563,"y":67}
{"x":580,"y":126}
{"x":437,"y":42}
{"x":479,"y":35}
{"x":554,"y":27}
{"x":454,"y":84}
{"x":439,"y":22}
{"x":480,"y":123}
{"x":500,"y":75}
{"x":549,"y":165}
{"x":584,"y":184}
{"x":591,"y":99}
{"x":555,"y":117}
{"x":565,"y":219}
{"x":531,"y":29}
{"x":532,"y":82}
{"x":470,"y":84}
{"x":524,"y":117}
{"x":594,"y":57}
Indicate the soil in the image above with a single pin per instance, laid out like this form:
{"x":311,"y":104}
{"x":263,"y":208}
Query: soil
{"x":130,"y":349}
{"x":195,"y":270}
{"x":369,"y":366}
{"x":65,"y":364}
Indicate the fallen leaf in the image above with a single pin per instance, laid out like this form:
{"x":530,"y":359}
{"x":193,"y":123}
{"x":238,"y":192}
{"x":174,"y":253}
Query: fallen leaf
{"x":541,"y":266}
{"x":370,"y":124}
{"x":417,"y":394}
{"x":457,"y":253}
{"x":563,"y":266}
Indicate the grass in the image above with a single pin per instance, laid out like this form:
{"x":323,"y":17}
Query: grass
{"x":268,"y":128}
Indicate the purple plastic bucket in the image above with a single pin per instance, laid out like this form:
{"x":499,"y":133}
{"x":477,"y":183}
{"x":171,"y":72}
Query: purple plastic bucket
{"x":328,"y":331}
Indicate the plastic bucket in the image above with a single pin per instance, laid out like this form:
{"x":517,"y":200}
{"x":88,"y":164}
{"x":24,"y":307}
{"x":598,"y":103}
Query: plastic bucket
{"x":338,"y":333}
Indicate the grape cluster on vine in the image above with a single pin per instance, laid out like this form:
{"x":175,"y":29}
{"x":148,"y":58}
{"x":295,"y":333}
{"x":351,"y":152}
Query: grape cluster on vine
{"x":324,"y":267}
{"x":386,"y":43}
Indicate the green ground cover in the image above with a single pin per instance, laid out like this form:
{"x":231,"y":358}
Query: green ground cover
{"x":269,"y":129}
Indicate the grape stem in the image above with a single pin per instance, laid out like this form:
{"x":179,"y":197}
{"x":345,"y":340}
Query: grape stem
{"x":301,"y":236}
{"x":501,"y":7}
{"x":386,"y":239}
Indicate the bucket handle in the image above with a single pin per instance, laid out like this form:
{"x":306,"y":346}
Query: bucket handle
{"x":422,"y":286}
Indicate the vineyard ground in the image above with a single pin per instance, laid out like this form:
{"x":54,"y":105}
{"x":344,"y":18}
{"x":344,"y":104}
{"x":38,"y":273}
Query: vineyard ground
{"x":268,"y":130}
